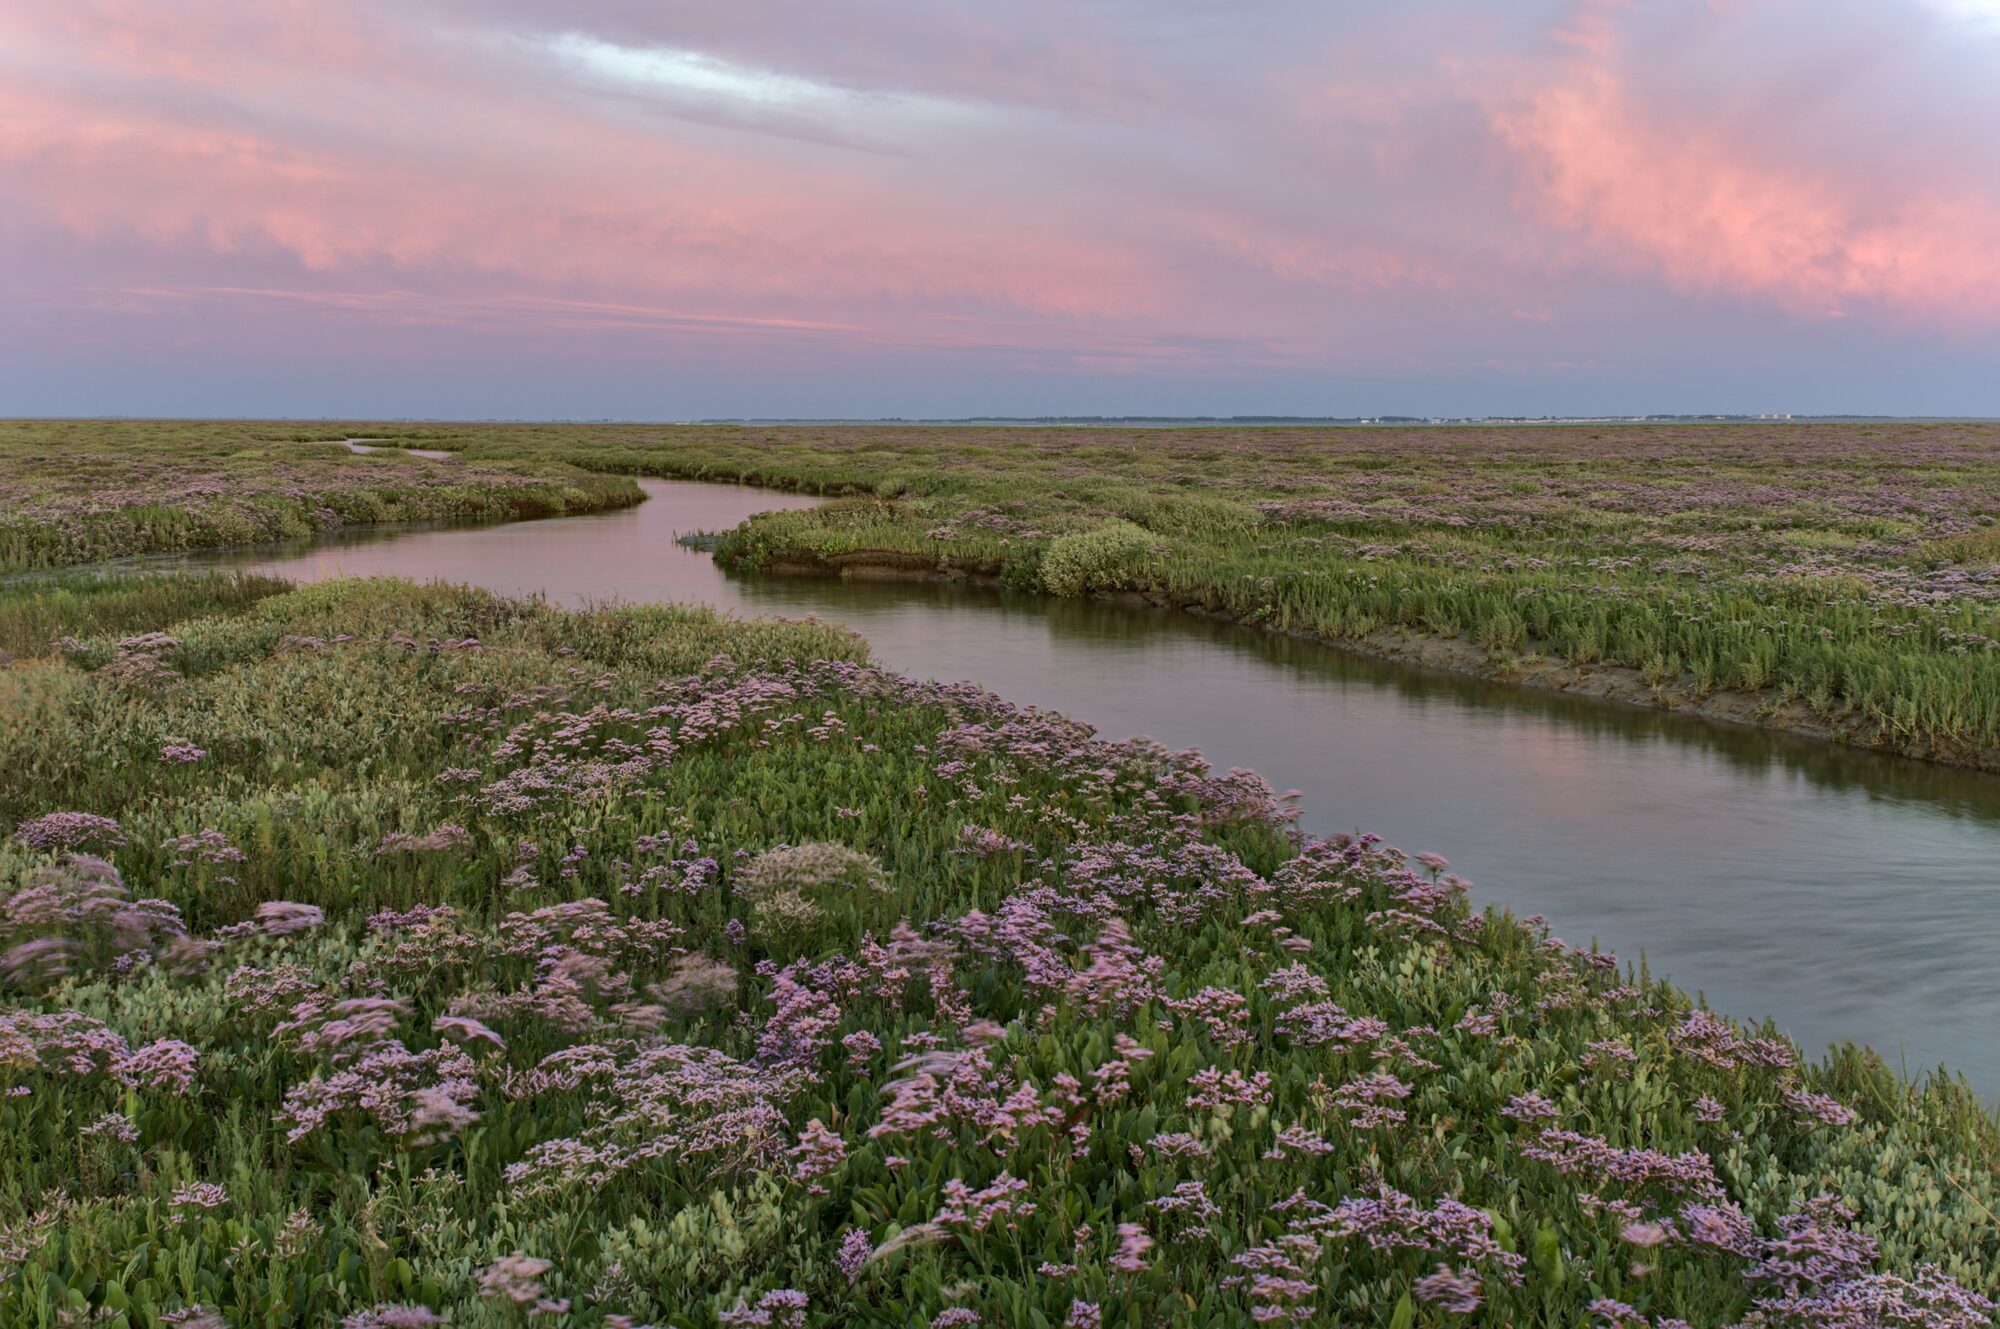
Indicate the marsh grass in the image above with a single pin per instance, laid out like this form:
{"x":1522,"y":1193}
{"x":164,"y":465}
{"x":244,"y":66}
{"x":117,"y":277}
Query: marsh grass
{"x":1845,"y":574}
{"x":81,"y":491}
{"x":1848,"y":571}
{"x":33,"y":616}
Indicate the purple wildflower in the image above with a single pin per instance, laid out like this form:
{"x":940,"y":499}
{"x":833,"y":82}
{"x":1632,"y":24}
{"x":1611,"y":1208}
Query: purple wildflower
{"x":69,"y":830}
{"x":1451,"y":1290}
{"x":855,"y":1249}
{"x":1133,"y":1243}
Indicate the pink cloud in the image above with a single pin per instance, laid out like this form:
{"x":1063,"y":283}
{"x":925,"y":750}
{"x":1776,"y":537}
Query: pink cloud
{"x":1669,"y":189}
{"x":598,"y":206}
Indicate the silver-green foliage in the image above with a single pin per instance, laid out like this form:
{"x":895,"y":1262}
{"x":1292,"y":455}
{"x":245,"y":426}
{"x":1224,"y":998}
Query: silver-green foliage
{"x":1110,"y":557}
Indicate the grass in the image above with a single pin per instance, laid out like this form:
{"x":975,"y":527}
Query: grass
{"x":62,"y":604}
{"x":76,"y":492}
{"x":371,"y":952}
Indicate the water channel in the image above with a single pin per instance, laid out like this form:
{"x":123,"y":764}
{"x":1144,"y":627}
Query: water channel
{"x":1844,"y":894}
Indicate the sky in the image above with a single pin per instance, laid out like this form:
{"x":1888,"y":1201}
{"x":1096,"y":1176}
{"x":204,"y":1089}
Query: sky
{"x":671,"y":209}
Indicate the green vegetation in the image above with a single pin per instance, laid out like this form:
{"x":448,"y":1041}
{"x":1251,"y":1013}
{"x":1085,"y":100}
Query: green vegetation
{"x":370,"y":953}
{"x":1845,"y":577}
{"x":1842,"y":579}
{"x":86,"y":605}
{"x":79,"y":491}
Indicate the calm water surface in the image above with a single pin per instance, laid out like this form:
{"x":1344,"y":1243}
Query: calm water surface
{"x":364,"y":445}
{"x":1843,"y":894}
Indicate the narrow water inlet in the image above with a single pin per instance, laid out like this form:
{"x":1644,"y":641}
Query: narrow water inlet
{"x":381,"y":445}
{"x":1846,"y":894}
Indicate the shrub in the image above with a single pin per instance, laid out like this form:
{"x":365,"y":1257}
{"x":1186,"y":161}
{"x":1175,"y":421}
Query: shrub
{"x":1104,"y":558}
{"x":792,"y":888}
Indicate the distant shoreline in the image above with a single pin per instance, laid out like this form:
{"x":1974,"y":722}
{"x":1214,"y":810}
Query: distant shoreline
{"x":1043,"y":421}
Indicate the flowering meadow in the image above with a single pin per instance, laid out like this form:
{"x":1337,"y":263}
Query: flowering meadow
{"x":77,"y":491}
{"x":377,"y":955}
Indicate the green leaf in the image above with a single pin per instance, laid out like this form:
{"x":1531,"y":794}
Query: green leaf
{"x":1547,"y":1256}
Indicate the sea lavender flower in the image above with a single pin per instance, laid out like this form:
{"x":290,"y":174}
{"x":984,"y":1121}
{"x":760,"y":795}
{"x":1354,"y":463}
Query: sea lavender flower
{"x":855,"y":1249}
{"x":1610,"y":1049}
{"x":283,"y":918}
{"x":465,"y":1030}
{"x":1721,"y":1227}
{"x":1224,"y":1014}
{"x":209,"y":847}
{"x":1277,"y":1279}
{"x":1927,"y":1300}
{"x":697,"y":983}
{"x":1216,"y":1089}
{"x":297,"y":1236}
{"x":113,"y":1126}
{"x":167,"y":1064}
{"x":1300,"y":1139}
{"x":39,"y":961}
{"x":1689,"y":1174}
{"x":1644,"y":1234}
{"x":1319,"y":1023}
{"x":975,"y":1211}
{"x":818,"y":1151}
{"x":1391,"y":1220}
{"x":1369,"y":1099}
{"x":1616,"y":1315}
{"x":783,"y":1309}
{"x":1293,"y":981}
{"x":352,"y":1025}
{"x":1451,"y":1290}
{"x":446,"y":835}
{"x":1112,"y":1077}
{"x":1133,"y":1243}
{"x":1531,"y":1106}
{"x":515,"y":1278}
{"x":1812,"y":1107}
{"x":862,"y":1048}
{"x":801,"y":1026}
{"x":69,"y":830}
{"x":192,"y":1201}
{"x":1186,"y":1208}
{"x":984,"y":842}
{"x":434,"y":1114}
{"x":1178,"y":1144}
{"x":1478,"y":1023}
{"x":197,"y":1316}
{"x":383,"y":1081}
{"x":393,"y":1316}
